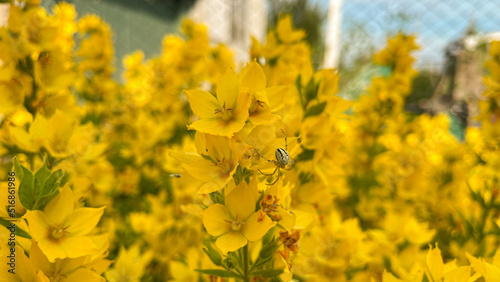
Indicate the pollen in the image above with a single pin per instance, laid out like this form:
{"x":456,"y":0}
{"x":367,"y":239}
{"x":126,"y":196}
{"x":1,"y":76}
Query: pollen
{"x":58,"y":232}
{"x":224,"y":112}
{"x":236,"y":225}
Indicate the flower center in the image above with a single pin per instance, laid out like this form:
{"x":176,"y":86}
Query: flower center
{"x":58,"y":232}
{"x":224,"y":112}
{"x":236,"y":225}
{"x":226,"y":166}
{"x":255,"y":106}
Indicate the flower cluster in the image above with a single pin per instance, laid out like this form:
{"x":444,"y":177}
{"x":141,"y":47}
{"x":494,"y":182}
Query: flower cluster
{"x":197,"y":169}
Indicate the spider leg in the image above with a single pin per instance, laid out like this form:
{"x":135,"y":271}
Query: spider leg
{"x":286,"y":145}
{"x":268,"y":174}
{"x":274,"y":162}
{"x":277,"y":178}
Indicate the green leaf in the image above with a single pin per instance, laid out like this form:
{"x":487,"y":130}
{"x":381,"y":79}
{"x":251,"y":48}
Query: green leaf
{"x":262,"y":261}
{"x":269,"y":236}
{"x":238,"y":175}
{"x":52,"y":182}
{"x":298,"y":85}
{"x":27,"y":187}
{"x":311,"y":91}
{"x":268,"y":273}
{"x":49,"y":189}
{"x":40,"y":178}
{"x":64,"y":179}
{"x":19,"y":232}
{"x":315,"y":110}
{"x":305,"y":155}
{"x":208,"y":158}
{"x":233,"y":260}
{"x":43,"y":201}
{"x":269,"y":249}
{"x":213,"y":254}
{"x":219,"y":272}
{"x":18,"y":169}
{"x":217,"y":197}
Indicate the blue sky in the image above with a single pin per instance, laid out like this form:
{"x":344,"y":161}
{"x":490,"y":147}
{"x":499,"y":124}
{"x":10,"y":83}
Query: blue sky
{"x":436,"y":22}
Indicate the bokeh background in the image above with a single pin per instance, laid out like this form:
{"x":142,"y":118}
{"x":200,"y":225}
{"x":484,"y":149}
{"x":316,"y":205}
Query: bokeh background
{"x":452,"y":35}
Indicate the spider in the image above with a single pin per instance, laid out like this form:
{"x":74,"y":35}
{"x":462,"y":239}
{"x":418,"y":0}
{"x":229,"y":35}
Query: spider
{"x":282,"y":161}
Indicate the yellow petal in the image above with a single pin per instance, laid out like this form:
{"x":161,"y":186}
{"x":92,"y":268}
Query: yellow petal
{"x":477,"y":264}
{"x":215,"y":220}
{"x":241,"y":202}
{"x":59,"y":130}
{"x":74,"y":247}
{"x":228,"y":89}
{"x":22,"y":139}
{"x":303,"y":219}
{"x":262,"y":96}
{"x":253,"y":230}
{"x":231,"y":241}
{"x":24,"y":268}
{"x":83,"y":220}
{"x":209,"y":187}
{"x":232,"y":127}
{"x":40,"y":277}
{"x":491,"y":273}
{"x":277,"y":95}
{"x":209,"y":125}
{"x":38,"y":224}
{"x":51,"y":250}
{"x":240,"y":113}
{"x":460,"y":274}
{"x":84,"y":275}
{"x":202,"y":103}
{"x":39,"y":127}
{"x":60,"y":207}
{"x":217,"y":147}
{"x":197,"y":166}
{"x":285,"y":30}
{"x":263,"y":116}
{"x":496,"y":259}
{"x":253,"y":77}
{"x":39,"y":259}
{"x":435,"y":264}
{"x":287,"y":218}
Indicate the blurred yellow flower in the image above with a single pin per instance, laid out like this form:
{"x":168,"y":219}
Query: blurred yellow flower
{"x":130,"y":265}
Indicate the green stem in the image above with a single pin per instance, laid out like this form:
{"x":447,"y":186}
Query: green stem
{"x":246,"y":263}
{"x":31,"y":161}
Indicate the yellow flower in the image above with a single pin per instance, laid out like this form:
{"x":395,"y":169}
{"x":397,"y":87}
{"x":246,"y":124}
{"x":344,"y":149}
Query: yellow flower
{"x":129,"y":265}
{"x":225,"y":114}
{"x":62,"y":231}
{"x":490,"y":271}
{"x":217,"y":164}
{"x":24,"y":268}
{"x":437,"y":270}
{"x":63,"y":270}
{"x":236,"y":222}
{"x":285,"y":30}
{"x":254,"y":79}
{"x":185,"y":271}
